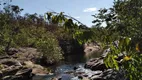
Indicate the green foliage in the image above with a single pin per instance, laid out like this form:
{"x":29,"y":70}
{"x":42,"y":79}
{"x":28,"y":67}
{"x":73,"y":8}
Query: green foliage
{"x":50,"y":49}
{"x":36,"y":31}
{"x":122,"y":20}
{"x":83,"y":35}
{"x":124,"y":17}
{"x":133,"y":67}
{"x":28,"y":31}
{"x":131,"y":62}
{"x":44,"y":41}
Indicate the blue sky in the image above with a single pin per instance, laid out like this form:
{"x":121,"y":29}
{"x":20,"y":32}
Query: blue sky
{"x":80,"y":9}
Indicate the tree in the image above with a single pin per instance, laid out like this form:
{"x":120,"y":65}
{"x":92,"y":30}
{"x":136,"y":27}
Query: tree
{"x":124,"y":17}
{"x":7,"y":28}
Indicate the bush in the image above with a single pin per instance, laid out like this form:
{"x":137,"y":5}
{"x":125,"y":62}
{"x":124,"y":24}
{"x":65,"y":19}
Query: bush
{"x":49,"y":48}
{"x":43,"y":40}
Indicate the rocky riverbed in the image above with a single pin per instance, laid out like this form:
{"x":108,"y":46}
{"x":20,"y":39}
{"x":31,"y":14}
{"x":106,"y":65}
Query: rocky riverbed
{"x":94,"y":69}
{"x":21,"y":65}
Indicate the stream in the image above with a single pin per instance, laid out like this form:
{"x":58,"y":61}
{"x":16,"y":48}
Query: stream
{"x":71,"y":69}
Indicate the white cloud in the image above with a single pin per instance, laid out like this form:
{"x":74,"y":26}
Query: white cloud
{"x":90,"y":9}
{"x":77,"y":17}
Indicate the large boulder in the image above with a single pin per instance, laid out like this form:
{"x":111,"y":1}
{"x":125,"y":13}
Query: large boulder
{"x":22,"y":74}
{"x":26,"y":54}
{"x":16,"y":73}
{"x":96,"y":64}
{"x":92,"y":48}
{"x":12,"y":69}
{"x":36,"y":68}
{"x":10,"y":62}
{"x":110,"y":74}
{"x":107,"y":73}
{"x":19,"y":64}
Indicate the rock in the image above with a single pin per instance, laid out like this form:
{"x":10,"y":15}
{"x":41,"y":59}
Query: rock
{"x":6,"y":78}
{"x":55,"y":79}
{"x":80,"y":77}
{"x":30,"y":64}
{"x":108,"y":73}
{"x":20,"y":64}
{"x":97,"y":77}
{"x":74,"y":68}
{"x":59,"y":78}
{"x":96,"y":64}
{"x":119,"y":56}
{"x":4,"y":57}
{"x":85,"y":75}
{"x":44,"y":77}
{"x":105,"y":52}
{"x":66,"y":77}
{"x":99,"y":65}
{"x":116,"y":43}
{"x":26,"y":73}
{"x":1,"y":75}
{"x":12,"y":51}
{"x":10,"y":62}
{"x":23,"y":74}
{"x":85,"y":78}
{"x":12,"y":70}
{"x":36,"y":69}
{"x":90,"y":63}
{"x":111,"y":74}
{"x":92,"y":47}
{"x":16,"y":73}
{"x":27,"y":54}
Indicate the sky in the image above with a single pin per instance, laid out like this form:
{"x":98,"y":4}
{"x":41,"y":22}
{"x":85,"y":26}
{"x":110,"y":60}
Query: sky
{"x":79,"y":9}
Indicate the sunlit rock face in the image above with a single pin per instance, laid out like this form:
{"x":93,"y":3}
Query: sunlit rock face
{"x":92,"y":48}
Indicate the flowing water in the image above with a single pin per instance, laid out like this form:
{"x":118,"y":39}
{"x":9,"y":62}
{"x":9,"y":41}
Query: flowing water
{"x":67,"y":70}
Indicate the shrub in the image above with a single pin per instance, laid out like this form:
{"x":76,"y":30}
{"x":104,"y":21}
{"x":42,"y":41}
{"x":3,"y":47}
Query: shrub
{"x":49,"y":48}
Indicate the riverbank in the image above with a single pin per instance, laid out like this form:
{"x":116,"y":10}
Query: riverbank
{"x":94,"y":69}
{"x":25,"y":63}
{"x":21,"y":64}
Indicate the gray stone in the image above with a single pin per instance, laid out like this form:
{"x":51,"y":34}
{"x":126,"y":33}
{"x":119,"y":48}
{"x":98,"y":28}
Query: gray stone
{"x":96,"y":64}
